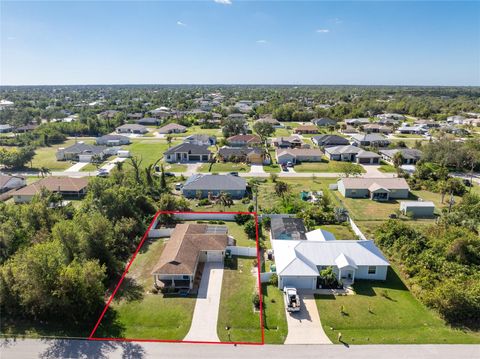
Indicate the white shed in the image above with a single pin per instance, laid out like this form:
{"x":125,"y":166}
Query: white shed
{"x":417,"y":208}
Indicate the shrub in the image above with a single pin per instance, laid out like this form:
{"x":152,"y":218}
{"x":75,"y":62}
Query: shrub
{"x":241,"y":219}
{"x":204,"y":202}
{"x":273,"y":280}
{"x":256,"y":301}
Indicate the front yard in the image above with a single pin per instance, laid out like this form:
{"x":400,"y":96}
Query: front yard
{"x":274,"y":315}
{"x":385,"y":313}
{"x":237,"y":322}
{"x":224,"y":167}
{"x":327,"y":167}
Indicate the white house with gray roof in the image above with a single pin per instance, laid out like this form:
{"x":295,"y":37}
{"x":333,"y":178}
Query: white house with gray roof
{"x":352,"y":154}
{"x":188,"y":152}
{"x":81,"y":152}
{"x":204,"y":186}
{"x":410,"y":155}
{"x":112,"y":140}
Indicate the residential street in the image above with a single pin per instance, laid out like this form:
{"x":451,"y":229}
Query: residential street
{"x":63,"y":349}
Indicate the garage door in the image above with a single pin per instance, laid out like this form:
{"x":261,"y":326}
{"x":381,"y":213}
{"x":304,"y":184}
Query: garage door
{"x":298,"y":282}
{"x":215,"y":256}
{"x":364,"y":160}
{"x":194,"y":157}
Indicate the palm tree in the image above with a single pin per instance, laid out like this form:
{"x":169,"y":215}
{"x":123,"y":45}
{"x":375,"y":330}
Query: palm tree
{"x":44,"y":171}
{"x":281,"y":188}
{"x":224,"y":199}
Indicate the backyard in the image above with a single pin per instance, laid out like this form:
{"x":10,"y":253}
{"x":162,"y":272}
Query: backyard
{"x":237,"y":232}
{"x":237,"y":320}
{"x":385,"y":313}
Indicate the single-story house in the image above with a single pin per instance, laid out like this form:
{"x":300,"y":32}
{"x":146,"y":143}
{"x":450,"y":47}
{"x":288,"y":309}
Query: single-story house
{"x":370,"y":139}
{"x":275,"y":123}
{"x":81,"y":152}
{"x":189,"y":245}
{"x":376,"y":128}
{"x":299,"y":263}
{"x":416,"y":130}
{"x":66,"y":186}
{"x":161,"y":112}
{"x":6,"y":128}
{"x":418,"y":208}
{"x":306,"y":129}
{"x":8,"y":182}
{"x":330,"y":140}
{"x":204,"y":186}
{"x":201,"y":140}
{"x":132,"y":128}
{"x":324,"y":122}
{"x":410,"y":156}
{"x":252,"y":155}
{"x":172,"y":128}
{"x":297,"y":155}
{"x":135,"y":116}
{"x":427,"y":123}
{"x":293,"y":141}
{"x":391,"y":116}
{"x":356,"y":121}
{"x":148,"y":121}
{"x":112,"y":140}
{"x":27,"y":128}
{"x":352,"y":154}
{"x":287,"y":229}
{"x":457,"y":119}
{"x":187,"y":152}
{"x":244,"y":140}
{"x":377,"y":189}
{"x":349,"y":130}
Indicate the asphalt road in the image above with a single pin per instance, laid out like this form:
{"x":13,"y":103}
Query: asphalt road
{"x":49,"y":349}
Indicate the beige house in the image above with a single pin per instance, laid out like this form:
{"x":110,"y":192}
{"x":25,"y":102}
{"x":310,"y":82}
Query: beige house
{"x":66,"y":186}
{"x":377,"y":189}
{"x":297,"y":155}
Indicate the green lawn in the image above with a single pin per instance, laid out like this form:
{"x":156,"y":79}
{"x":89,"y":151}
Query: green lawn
{"x":196,"y":130}
{"x":45,"y":157}
{"x":436,"y":198}
{"x":236,"y":307}
{"x":274,"y":317}
{"x":282,"y":132}
{"x":273,"y":168}
{"x":142,"y":315}
{"x":327,"y":167}
{"x":339,"y":231}
{"x":396,"y":318}
{"x":174,"y":167}
{"x":237,"y":232}
{"x":224,"y":167}
{"x":387,"y":168}
{"x":148,"y":150}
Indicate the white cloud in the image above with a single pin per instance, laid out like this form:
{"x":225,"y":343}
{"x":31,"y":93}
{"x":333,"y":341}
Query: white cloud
{"x":224,"y":2}
{"x":179,"y":23}
{"x":261,"y":41}
{"x":323,"y":31}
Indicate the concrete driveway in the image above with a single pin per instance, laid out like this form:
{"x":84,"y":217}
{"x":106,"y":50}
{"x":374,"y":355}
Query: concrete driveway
{"x":372,"y":171}
{"x":77,"y":167}
{"x":304,"y":327}
{"x":205,"y":315}
{"x":256,"y":169}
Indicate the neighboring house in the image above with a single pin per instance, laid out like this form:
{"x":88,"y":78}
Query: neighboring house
{"x":253,"y":155}
{"x":293,"y":141}
{"x":299,"y":262}
{"x":132,"y":128}
{"x":352,"y":154}
{"x":410,"y":156}
{"x":306,"y":129}
{"x":201,"y":140}
{"x":26,"y":128}
{"x":349,"y":130}
{"x":287,"y":229}
{"x":330,"y":140}
{"x":161,"y":112}
{"x":244,"y":140}
{"x":377,"y":189}
{"x":188,"y":246}
{"x":391,"y":116}
{"x":172,"y":128}
{"x":370,"y":139}
{"x":275,"y":123}
{"x":6,"y":128}
{"x":135,"y":116}
{"x":66,"y":186}
{"x":112,"y":140}
{"x":324,"y":122}
{"x":427,"y":123}
{"x":417,"y":208}
{"x":81,"y":152}
{"x":297,"y":155}
{"x":188,"y":152}
{"x":414,"y":130}
{"x":457,"y":120}
{"x":148,"y":121}
{"x":356,"y":121}
{"x":204,"y":186}
{"x":376,"y":128}
{"x":237,"y":116}
{"x":8,"y":182}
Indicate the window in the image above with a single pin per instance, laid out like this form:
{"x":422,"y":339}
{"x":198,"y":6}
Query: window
{"x":354,"y":191}
{"x":186,"y":277}
{"x":372,"y":270}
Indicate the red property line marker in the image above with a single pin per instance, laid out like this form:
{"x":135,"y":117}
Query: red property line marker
{"x":145,"y":236}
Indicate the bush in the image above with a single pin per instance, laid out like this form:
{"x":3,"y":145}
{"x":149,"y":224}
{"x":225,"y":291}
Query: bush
{"x":204,"y":202}
{"x":273,"y":280}
{"x":256,"y":301}
{"x":241,"y":219}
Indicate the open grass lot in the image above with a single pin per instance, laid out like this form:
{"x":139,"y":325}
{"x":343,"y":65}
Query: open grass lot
{"x":236,"y":307}
{"x":273,"y":168}
{"x":142,"y":315}
{"x":274,"y":315}
{"x":196,"y":130}
{"x":339,"y":231}
{"x":148,"y":150}
{"x":385,"y":313}
{"x":45,"y":157}
{"x":327,"y":167}
{"x":237,"y":232}
{"x":282,"y":132}
{"x":224,"y":167}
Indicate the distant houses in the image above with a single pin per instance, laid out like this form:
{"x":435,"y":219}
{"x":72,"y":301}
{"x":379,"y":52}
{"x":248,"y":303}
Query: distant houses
{"x":6,"y":128}
{"x":204,"y":186}
{"x":370,"y":139}
{"x":324,"y":122}
{"x":244,"y":140}
{"x":172,"y":128}
{"x":148,"y":121}
{"x":132,"y":129}
{"x":298,"y":155}
{"x":201,"y":140}
{"x":293,"y":141}
{"x":188,"y":152}
{"x":252,"y":155}
{"x":330,"y":140}
{"x":306,"y":129}
{"x":112,"y":140}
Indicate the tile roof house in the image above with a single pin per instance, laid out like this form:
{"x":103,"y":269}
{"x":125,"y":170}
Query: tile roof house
{"x":298,"y":155}
{"x":244,"y":140}
{"x":352,"y":154}
{"x":410,"y":155}
{"x":306,"y":129}
{"x":132,"y":128}
{"x":188,"y":246}
{"x":188,"y":152}
{"x":81,"y":152}
{"x":330,"y":140}
{"x":172,"y":128}
{"x":370,"y":139}
{"x":201,"y":140}
{"x":253,"y":155}
{"x":112,"y":140}
{"x":376,"y":128}
{"x":204,"y":186}
{"x":377,"y":189}
{"x":8,"y":182}
{"x":275,"y":123}
{"x":66,"y":186}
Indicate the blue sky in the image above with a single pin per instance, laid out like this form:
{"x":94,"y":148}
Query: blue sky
{"x":274,"y":42}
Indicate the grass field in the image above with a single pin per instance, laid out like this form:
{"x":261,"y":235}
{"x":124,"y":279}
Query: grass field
{"x":238,"y":233}
{"x":327,"y":167}
{"x":148,"y":150}
{"x":140,"y":314}
{"x":282,"y":132}
{"x":275,"y":321}
{"x":386,"y":168}
{"x":45,"y":157}
{"x":196,"y":130}
{"x":385,"y":313}
{"x":174,"y":167}
{"x":224,"y":167}
{"x":236,"y":307}
{"x":273,"y":168}
{"x":339,"y":231}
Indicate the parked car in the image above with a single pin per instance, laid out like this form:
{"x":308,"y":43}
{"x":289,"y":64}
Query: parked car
{"x":284,"y":168}
{"x":233,"y":174}
{"x":102,"y":173}
{"x":178,"y":186}
{"x":169,"y":174}
{"x":292,"y":300}
{"x":289,"y":164}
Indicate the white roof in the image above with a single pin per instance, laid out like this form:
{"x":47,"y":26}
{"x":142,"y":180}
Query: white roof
{"x":301,"y":258}
{"x":417,"y":204}
{"x":320,"y":235}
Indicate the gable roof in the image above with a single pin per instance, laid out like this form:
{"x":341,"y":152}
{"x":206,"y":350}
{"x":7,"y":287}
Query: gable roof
{"x":300,"y":152}
{"x":238,"y":151}
{"x":171,"y":127}
{"x":245,"y":139}
{"x":81,"y":147}
{"x":215,"y":182}
{"x":180,"y":254}
{"x":330,"y":139}
{"x":363,"y":183}
{"x":370,"y":137}
{"x":407,"y":153}
{"x":54,"y":184}
{"x":338,"y":150}
{"x":132,"y":126}
{"x":190,"y":148}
